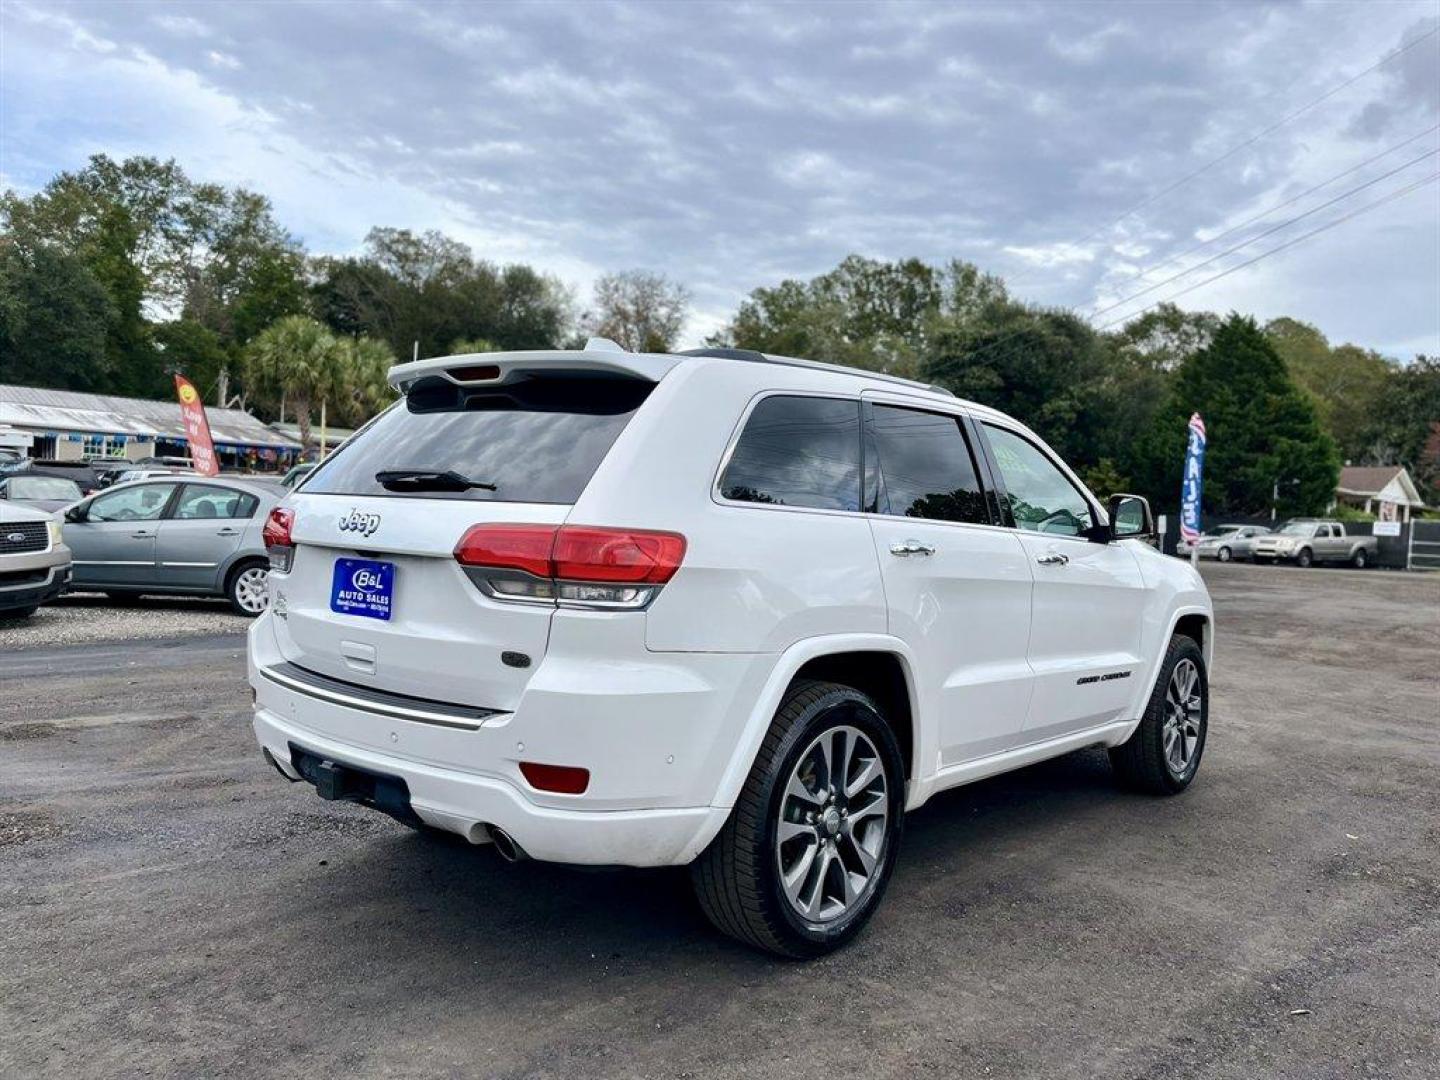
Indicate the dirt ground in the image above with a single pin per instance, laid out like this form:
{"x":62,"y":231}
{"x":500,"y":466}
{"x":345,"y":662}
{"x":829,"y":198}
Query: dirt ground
{"x":170,"y":907}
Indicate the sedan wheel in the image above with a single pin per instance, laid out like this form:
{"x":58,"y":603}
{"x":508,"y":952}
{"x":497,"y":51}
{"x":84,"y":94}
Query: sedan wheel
{"x":250,"y":590}
{"x":1223,"y":554}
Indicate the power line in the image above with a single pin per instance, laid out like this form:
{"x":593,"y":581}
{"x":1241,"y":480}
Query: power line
{"x":1282,"y":247}
{"x":1145,"y":272}
{"x":1260,"y":236}
{"x":1252,"y":140}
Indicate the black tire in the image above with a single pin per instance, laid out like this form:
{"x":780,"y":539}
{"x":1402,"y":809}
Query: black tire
{"x":1140,"y":762}
{"x":1360,"y":560}
{"x":1305,"y":559}
{"x":1223,"y":555}
{"x":233,"y":586}
{"x":737,"y":879}
{"x":18,"y":613}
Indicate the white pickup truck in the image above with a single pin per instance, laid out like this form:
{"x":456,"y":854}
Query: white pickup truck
{"x":1306,"y":541}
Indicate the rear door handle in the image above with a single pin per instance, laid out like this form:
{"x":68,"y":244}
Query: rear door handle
{"x":911,"y":547}
{"x":1053,"y":559}
{"x":228,"y":532}
{"x":141,"y":535}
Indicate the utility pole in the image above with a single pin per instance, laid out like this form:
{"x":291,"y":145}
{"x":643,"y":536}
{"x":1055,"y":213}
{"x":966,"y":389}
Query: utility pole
{"x":222,"y":398}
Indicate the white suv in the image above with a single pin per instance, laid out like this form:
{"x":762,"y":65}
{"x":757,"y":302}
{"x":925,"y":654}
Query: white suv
{"x":719,"y":608}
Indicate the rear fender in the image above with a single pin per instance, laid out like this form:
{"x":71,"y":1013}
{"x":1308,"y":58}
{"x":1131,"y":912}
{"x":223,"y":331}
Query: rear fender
{"x":788,"y":663}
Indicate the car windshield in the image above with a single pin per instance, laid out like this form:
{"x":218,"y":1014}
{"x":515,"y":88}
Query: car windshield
{"x":1298,"y":528}
{"x":44,"y":487}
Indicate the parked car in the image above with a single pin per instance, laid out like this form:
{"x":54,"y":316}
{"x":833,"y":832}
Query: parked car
{"x":1306,"y":541}
{"x":38,"y":490}
{"x":296,"y":473}
{"x":84,"y":473}
{"x":179,"y":534}
{"x":719,"y":609}
{"x":34,"y":561}
{"x":1226,"y":542}
{"x":130,"y":475}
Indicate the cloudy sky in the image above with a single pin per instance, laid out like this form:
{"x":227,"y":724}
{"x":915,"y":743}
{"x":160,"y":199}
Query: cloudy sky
{"x":730,"y":146}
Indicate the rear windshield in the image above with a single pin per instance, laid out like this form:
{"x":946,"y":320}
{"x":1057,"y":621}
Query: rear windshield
{"x":538,"y":440}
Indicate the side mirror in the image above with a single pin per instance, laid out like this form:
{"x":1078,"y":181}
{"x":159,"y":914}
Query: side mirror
{"x":78,"y":512}
{"x":1130,"y":518}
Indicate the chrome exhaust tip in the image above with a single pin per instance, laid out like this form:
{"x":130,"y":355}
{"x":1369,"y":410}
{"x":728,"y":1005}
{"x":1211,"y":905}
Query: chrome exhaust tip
{"x":509,"y":850}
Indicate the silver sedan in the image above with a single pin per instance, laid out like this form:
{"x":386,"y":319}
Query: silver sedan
{"x":1231,"y":542}
{"x":175,"y":534}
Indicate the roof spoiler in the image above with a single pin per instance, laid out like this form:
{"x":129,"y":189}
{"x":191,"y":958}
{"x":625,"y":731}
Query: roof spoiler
{"x":498,"y":368}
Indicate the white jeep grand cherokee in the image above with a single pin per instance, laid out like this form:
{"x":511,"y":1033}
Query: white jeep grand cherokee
{"x":722,"y":609}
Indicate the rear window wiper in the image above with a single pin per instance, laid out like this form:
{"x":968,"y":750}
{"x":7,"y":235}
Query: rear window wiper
{"x":429,"y":480}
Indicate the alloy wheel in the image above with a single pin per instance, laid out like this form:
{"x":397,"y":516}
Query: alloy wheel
{"x":833,"y":825}
{"x":1183,"y":711}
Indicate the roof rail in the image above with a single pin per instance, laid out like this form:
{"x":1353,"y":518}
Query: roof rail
{"x":756,"y":357}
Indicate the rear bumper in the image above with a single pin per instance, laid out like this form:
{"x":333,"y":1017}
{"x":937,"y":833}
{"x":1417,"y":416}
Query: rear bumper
{"x":465,"y":803}
{"x":657,"y":732}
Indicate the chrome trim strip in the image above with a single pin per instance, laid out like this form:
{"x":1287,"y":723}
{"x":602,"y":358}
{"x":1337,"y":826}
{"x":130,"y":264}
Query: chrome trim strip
{"x":205,"y":564}
{"x":337,"y":697}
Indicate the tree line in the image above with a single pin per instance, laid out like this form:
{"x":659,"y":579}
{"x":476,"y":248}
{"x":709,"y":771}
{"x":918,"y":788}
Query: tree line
{"x":115,"y":274}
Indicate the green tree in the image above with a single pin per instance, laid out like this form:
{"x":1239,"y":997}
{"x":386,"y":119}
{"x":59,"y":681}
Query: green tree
{"x":359,"y":388}
{"x":428,"y":290}
{"x":1043,"y":366}
{"x":55,"y":320}
{"x":196,"y":352}
{"x":295,"y":357}
{"x":1261,"y":429}
{"x":1344,"y":381}
{"x":1404,"y":428}
{"x":639,"y":310}
{"x":475,"y":345}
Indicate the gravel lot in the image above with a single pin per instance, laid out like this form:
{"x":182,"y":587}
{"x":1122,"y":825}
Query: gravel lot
{"x":169,"y":907}
{"x":83,"y":618}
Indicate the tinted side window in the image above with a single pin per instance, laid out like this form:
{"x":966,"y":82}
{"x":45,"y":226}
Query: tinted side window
{"x":1041,"y":497}
{"x":925,"y":467}
{"x":798,"y":451}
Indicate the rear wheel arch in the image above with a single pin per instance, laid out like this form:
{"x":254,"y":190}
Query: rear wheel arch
{"x":881,"y":676}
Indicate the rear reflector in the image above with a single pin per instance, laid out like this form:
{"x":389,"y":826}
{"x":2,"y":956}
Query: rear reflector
{"x":561,"y":779}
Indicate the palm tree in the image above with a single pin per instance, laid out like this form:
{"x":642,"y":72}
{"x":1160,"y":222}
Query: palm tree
{"x":293,"y":356}
{"x":361,"y":388}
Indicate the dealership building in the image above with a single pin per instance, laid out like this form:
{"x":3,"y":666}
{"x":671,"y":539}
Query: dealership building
{"x":70,"y":426}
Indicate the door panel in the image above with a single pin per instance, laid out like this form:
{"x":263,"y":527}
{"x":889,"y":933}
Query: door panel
{"x":964,"y":610}
{"x":1089,"y":597}
{"x":198,"y":536}
{"x":1084,"y":633}
{"x":115,"y":545}
{"x":957,"y":588}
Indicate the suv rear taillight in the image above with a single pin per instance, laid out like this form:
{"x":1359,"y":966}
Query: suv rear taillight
{"x":276,"y":535}
{"x":573,"y":565}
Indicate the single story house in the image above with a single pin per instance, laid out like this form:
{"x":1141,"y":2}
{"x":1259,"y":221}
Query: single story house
{"x":70,"y":426}
{"x":1383,"y":490}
